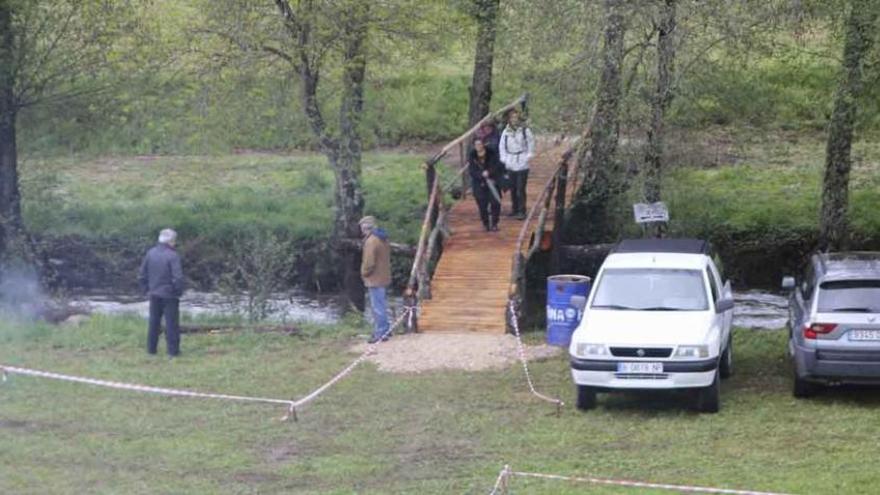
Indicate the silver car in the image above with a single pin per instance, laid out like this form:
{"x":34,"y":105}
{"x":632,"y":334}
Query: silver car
{"x":834,"y":321}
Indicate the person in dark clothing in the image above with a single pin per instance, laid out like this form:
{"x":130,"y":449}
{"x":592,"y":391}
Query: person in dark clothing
{"x":486,"y":170}
{"x":489,"y":135}
{"x":161,"y":278}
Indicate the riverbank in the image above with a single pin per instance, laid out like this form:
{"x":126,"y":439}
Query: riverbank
{"x":94,"y":218}
{"x":435,"y":432}
{"x":754,"y":194}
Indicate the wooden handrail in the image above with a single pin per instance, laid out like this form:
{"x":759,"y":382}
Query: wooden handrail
{"x":434,"y":197}
{"x":470,"y":132}
{"x":426,"y":228}
{"x":542,"y":205}
{"x":443,"y":151}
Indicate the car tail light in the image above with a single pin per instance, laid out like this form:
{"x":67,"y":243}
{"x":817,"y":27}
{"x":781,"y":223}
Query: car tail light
{"x":813,"y":330}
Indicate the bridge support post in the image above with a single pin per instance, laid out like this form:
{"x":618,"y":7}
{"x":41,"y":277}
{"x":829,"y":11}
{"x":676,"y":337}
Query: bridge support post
{"x":559,"y":218}
{"x":517,"y":290}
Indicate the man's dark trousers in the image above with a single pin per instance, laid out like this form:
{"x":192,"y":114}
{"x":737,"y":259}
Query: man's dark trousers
{"x":518,"y":182}
{"x":171,"y":309}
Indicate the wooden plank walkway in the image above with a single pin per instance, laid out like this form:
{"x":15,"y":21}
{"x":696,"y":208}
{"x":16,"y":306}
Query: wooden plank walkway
{"x":471,"y":282}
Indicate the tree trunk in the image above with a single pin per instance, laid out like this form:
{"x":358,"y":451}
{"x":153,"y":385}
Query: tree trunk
{"x":11,"y":225}
{"x":660,"y":102}
{"x":602,"y":172}
{"x":486,"y":14}
{"x":349,"y":197}
{"x":834,"y":222}
{"x":343,"y":153}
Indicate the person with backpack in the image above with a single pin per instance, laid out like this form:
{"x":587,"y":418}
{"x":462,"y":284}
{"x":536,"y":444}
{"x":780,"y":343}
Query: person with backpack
{"x":516,"y":148}
{"x":486,"y":170}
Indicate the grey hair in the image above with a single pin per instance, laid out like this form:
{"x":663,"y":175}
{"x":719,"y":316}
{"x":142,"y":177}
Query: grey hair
{"x":167,"y":236}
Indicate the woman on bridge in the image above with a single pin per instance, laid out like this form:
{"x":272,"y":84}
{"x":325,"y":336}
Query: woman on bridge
{"x":486,"y":171}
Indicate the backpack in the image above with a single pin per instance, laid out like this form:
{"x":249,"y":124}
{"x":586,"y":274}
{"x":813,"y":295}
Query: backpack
{"x":525,"y":138}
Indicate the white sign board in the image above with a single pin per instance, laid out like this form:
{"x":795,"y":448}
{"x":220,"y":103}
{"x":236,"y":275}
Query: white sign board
{"x":653,"y":212}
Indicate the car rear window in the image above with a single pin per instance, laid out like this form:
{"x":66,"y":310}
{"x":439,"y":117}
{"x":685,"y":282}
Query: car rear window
{"x":849,"y":296}
{"x":651,"y":289}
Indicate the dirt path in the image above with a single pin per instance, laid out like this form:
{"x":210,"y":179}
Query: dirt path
{"x":415,"y":353}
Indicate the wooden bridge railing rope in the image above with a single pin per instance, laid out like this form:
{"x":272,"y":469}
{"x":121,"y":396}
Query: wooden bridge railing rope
{"x":434,"y":225}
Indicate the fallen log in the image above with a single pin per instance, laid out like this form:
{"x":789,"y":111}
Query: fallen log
{"x":396,"y":247}
{"x":586,"y":251}
{"x":582,"y":258}
{"x":225,"y":328}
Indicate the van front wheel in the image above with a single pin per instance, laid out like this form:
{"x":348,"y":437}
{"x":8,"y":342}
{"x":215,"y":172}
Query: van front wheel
{"x":586,"y":398}
{"x":727,"y":358}
{"x":709,"y":398}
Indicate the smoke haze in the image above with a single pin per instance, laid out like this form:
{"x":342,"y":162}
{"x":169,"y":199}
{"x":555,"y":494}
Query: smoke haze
{"x":20,"y":291}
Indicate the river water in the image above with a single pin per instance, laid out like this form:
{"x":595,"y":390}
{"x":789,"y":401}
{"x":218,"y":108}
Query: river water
{"x":286,"y":307}
{"x":754,"y":308}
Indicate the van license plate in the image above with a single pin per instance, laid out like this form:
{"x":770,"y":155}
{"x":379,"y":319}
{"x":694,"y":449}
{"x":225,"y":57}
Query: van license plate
{"x":864,"y":335}
{"x":640,"y":368}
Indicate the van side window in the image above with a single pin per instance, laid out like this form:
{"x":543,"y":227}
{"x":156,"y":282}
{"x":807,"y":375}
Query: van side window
{"x":713,"y":285}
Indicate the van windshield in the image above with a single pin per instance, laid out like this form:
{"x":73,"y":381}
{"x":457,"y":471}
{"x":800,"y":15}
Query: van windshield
{"x":648,"y":289}
{"x":849,"y":296}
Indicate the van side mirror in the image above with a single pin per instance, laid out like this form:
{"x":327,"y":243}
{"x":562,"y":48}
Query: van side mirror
{"x":788,"y":283}
{"x":579,"y":302}
{"x":723,"y":305}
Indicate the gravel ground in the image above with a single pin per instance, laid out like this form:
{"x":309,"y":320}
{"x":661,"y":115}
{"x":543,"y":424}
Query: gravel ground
{"x":415,"y":353}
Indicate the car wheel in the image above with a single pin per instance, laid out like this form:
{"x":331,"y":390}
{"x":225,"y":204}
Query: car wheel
{"x":586,"y":398}
{"x":802,"y":388}
{"x":709,"y":398}
{"x":727,"y":359}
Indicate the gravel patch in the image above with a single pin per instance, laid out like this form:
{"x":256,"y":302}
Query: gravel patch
{"x":415,"y":353}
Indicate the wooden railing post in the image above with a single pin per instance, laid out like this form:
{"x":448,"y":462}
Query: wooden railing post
{"x":559,"y":218}
{"x":430,"y":176}
{"x":461,"y":164}
{"x":517,"y":290}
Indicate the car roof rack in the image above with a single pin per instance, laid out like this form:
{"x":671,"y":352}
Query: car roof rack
{"x":683,"y":246}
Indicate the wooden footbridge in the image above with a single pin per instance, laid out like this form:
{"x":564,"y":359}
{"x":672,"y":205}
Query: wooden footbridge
{"x":479,"y":272}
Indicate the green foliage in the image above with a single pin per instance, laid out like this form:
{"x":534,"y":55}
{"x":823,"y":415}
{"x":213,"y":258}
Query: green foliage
{"x":262,"y":265}
{"x":212,"y":200}
{"x":767,"y":66}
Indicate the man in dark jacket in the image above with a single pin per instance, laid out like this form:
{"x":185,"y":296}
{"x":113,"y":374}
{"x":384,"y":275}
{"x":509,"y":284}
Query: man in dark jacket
{"x":486,"y":170}
{"x":161,"y":278}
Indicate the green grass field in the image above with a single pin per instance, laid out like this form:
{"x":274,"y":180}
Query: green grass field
{"x":212,"y":197}
{"x":438,"y":432}
{"x":722,"y":179}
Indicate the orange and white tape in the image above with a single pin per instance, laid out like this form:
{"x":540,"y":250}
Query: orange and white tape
{"x":506,"y":473}
{"x":292,"y":405}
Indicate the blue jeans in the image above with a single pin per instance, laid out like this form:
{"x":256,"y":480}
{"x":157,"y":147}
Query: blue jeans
{"x":379,"y":305}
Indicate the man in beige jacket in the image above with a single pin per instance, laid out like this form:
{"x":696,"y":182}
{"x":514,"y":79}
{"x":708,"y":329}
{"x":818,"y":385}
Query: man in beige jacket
{"x":376,"y":273}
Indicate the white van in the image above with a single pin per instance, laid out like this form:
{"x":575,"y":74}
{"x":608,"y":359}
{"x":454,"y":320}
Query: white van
{"x":658,"y":317}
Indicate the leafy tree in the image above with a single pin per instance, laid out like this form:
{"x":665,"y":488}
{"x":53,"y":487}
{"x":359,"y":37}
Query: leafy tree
{"x":860,"y":31}
{"x":314,"y":39}
{"x":50,"y":52}
{"x":485,"y":12}
{"x":603,"y":178}
{"x":660,"y":101}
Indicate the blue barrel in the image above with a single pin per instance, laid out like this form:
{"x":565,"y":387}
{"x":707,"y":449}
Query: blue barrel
{"x":563,"y":315}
